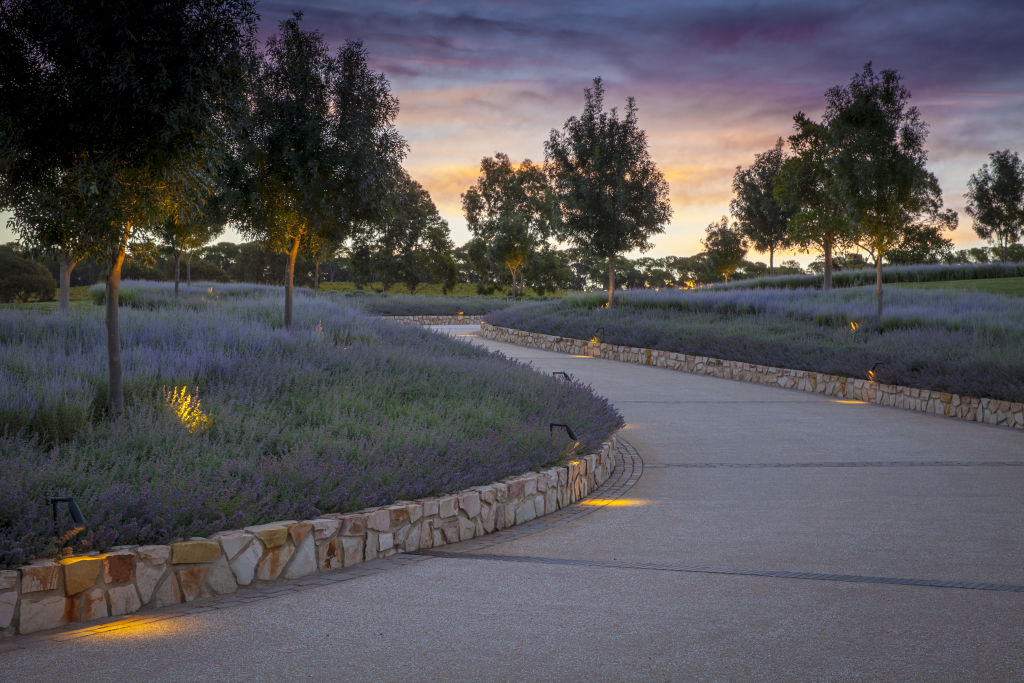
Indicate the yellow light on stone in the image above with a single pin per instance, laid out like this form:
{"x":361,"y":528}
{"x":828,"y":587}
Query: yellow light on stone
{"x":595,"y":340}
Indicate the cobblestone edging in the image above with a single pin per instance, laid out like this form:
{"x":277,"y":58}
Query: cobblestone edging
{"x":435,"y":319}
{"x":989,"y":411}
{"x":126,"y":579}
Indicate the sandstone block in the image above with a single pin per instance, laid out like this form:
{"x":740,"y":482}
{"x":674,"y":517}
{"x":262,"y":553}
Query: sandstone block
{"x":328,"y":555}
{"x":7,"y":602}
{"x":80,"y":573}
{"x":487,"y":518}
{"x":194,"y":551}
{"x":516,"y":488}
{"x":44,"y":576}
{"x":385,"y":542}
{"x":469,"y":502}
{"x":526,"y":512}
{"x":93,"y":605}
{"x":530,"y":485}
{"x":412,"y":539}
{"x":119,"y":567}
{"x":551,"y":500}
{"x":191,"y":581}
{"x":352,"y":550}
{"x":304,"y":560}
{"x":220,"y":579}
{"x":244,"y":565}
{"x":147,"y":576}
{"x":8,"y":579}
{"x":467,"y":528}
{"x":431,"y":506}
{"x":39,"y":614}
{"x":353,"y":525}
{"x":169,"y":593}
{"x":270,"y":535}
{"x":500,"y":491}
{"x":379,"y":520}
{"x":370,"y":550}
{"x":156,"y":554}
{"x":415,"y":512}
{"x":274,"y":560}
{"x":324,"y":530}
{"x":538,"y":504}
{"x":232,"y":542}
{"x":510,"y":513}
{"x":125,"y":599}
{"x":448,"y":505}
{"x":298,"y":531}
{"x":399,"y":515}
{"x":487,"y":494}
{"x":450,"y":528}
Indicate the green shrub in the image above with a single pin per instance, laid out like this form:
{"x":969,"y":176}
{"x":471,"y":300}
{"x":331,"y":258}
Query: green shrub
{"x":22,"y":280}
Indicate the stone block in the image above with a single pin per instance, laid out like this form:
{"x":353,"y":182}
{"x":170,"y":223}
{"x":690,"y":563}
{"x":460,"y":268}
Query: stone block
{"x":352,"y":550}
{"x":43,"y":576}
{"x":304,"y":560}
{"x":232,"y":542}
{"x":328,"y":555}
{"x":191,"y":581}
{"x":385,"y":542}
{"x":469,"y":502}
{"x":525,"y":512}
{"x":510,"y":513}
{"x":147,"y":576}
{"x":298,"y":531}
{"x":399,"y":515}
{"x":39,"y":614}
{"x":487,"y":494}
{"x":169,"y":593}
{"x":551,"y":500}
{"x":449,"y":505}
{"x":467,"y":528}
{"x":119,"y":567}
{"x":431,"y":507}
{"x":538,"y":504}
{"x":325,"y":530}
{"x":415,"y":512}
{"x":500,"y":491}
{"x":516,"y":488}
{"x":487,"y":518}
{"x":270,"y":535}
{"x":244,"y":565}
{"x":530,"y":485}
{"x":220,"y":579}
{"x":80,"y":573}
{"x":125,"y":599}
{"x":196,"y":551}
{"x":8,"y":579}
{"x":7,"y":602}
{"x":93,"y":605}
{"x":353,"y":525}
{"x":411,"y":542}
{"x":155,"y":554}
{"x":273,"y":561}
{"x":379,"y":520}
{"x":450,"y":529}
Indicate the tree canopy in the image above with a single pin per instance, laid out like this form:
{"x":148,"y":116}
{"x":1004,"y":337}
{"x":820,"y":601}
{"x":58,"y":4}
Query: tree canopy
{"x":611,"y":196}
{"x":725,"y":246}
{"x":995,"y":200}
{"x":760,"y":216}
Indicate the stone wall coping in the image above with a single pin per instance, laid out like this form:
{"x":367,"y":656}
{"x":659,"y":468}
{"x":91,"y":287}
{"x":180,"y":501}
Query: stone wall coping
{"x":52,"y":593}
{"x":987,"y":410}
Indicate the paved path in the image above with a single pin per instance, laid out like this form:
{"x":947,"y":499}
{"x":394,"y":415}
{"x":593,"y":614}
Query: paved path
{"x":863,"y":510}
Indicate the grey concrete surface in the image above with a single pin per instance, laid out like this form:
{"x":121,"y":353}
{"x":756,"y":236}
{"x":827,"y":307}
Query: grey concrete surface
{"x":891,"y":509}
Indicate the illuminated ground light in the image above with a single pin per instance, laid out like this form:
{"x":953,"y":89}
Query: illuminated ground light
{"x":850,"y":402}
{"x":186,"y":408}
{"x":580,"y":356}
{"x":617,"y":502}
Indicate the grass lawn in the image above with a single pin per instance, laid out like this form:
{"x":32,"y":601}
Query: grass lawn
{"x":1011,"y":286}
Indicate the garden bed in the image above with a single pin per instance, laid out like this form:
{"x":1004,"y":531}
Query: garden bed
{"x":957,"y":342}
{"x":341,"y":412}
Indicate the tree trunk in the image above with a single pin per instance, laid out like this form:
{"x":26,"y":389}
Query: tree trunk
{"x":826,"y":282}
{"x":878,"y":282}
{"x":115,"y":383}
{"x":177,"y":272}
{"x":188,"y":268}
{"x":289,"y":281}
{"x":611,"y":280}
{"x":771,"y":261}
{"x":67,"y":264}
{"x":316,"y":276}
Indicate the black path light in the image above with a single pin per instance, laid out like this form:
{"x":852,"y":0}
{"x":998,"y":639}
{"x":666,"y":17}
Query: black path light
{"x":76,"y":516}
{"x":872,"y":376}
{"x":568,"y":430}
{"x":565,"y":375}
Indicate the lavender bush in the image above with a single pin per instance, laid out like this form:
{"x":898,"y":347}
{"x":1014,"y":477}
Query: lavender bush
{"x":404,"y":304}
{"x":341,"y":412}
{"x":962,"y":342}
{"x":890,"y":274}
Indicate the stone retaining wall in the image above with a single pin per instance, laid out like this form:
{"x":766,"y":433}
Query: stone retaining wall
{"x":436,"y":319}
{"x":990,"y":411}
{"x":128,"y":578}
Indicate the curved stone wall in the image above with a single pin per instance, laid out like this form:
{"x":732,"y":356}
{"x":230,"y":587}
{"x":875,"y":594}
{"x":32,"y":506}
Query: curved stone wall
{"x":436,"y":319}
{"x":987,"y":410}
{"x":126,"y":579}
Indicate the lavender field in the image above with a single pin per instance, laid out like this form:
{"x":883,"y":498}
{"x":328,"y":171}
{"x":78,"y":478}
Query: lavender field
{"x":963,"y":342}
{"x":343,"y":411}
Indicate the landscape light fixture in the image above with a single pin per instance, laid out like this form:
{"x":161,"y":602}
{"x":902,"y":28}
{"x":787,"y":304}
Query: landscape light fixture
{"x":567,"y":428}
{"x":76,"y":516}
{"x":872,"y":377}
{"x":565,"y":375}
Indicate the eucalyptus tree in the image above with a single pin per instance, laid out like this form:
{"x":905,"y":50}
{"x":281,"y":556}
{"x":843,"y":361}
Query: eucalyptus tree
{"x":761,"y":217}
{"x":611,"y":196}
{"x":995,"y":200}
{"x":879,"y":165}
{"x":511,"y":209}
{"x":724,"y":246}
{"x":320,"y":145}
{"x":123,"y":102}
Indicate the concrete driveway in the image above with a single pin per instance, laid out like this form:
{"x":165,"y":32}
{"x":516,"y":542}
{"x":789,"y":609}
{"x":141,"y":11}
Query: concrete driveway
{"x":772,"y":535}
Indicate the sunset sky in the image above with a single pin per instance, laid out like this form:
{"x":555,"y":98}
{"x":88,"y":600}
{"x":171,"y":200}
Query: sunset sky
{"x":715,"y":82}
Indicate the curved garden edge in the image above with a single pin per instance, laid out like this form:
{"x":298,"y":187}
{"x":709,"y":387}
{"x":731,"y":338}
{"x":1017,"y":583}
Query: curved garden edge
{"x":127,"y":579}
{"x":989,"y":411}
{"x":435,"y":319}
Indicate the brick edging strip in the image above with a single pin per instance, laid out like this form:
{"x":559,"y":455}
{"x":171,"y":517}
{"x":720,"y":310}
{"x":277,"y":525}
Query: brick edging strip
{"x":126,"y":579}
{"x":987,"y":410}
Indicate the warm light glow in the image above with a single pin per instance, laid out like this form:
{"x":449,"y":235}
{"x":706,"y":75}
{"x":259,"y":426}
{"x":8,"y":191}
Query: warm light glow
{"x":853,"y":326}
{"x":595,"y":340}
{"x":851,"y":402}
{"x":580,"y":356}
{"x":460,"y":312}
{"x":141,"y":627}
{"x":617,"y":502}
{"x":187,"y":409}
{"x":871,"y":375}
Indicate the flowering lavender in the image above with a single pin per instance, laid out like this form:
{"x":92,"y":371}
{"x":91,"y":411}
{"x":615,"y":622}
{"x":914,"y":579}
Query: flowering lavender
{"x":341,"y":412}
